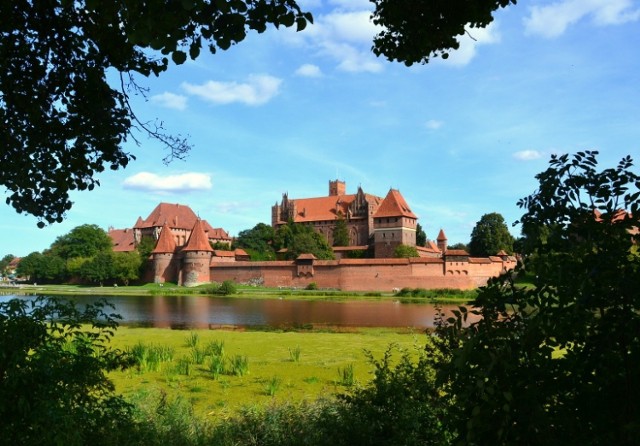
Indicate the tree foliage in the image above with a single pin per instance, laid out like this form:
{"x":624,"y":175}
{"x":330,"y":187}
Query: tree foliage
{"x":82,"y":241}
{"x":421,"y":236}
{"x":405,"y":251}
{"x":299,"y":239}
{"x":341,"y":232}
{"x":257,"y":241}
{"x":414,"y":31}
{"x":4,"y":263}
{"x":490,"y":235}
{"x":62,"y":121}
{"x":558,"y":364}
{"x":53,"y":385}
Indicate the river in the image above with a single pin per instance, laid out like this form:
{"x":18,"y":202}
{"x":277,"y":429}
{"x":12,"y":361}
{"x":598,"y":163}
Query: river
{"x":191,"y":312}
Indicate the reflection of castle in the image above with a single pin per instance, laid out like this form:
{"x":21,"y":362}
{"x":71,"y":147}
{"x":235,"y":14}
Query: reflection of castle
{"x":183,"y":251}
{"x":372,"y":221}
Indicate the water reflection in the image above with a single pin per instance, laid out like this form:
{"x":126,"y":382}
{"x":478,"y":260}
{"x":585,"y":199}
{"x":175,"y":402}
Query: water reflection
{"x":210,"y":312}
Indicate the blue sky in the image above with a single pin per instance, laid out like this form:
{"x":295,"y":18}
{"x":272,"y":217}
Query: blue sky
{"x":287,"y":112}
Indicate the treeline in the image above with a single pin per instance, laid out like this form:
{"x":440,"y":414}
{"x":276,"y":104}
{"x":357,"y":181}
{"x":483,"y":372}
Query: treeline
{"x":84,"y":255}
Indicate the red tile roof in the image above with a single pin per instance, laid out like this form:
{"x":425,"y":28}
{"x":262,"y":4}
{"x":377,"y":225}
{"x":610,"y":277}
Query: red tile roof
{"x":394,"y":205}
{"x":166,"y":242}
{"x":178,"y":216}
{"x":326,"y":208}
{"x":221,"y":253}
{"x":456,"y":252}
{"x":122,"y":240}
{"x":441,"y":235}
{"x":198,"y":241}
{"x":306,"y":257}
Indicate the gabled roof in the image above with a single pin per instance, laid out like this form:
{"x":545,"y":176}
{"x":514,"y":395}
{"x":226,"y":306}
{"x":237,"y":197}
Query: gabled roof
{"x":122,"y":240}
{"x":441,"y":235}
{"x":394,"y":205}
{"x":166,"y":242}
{"x":326,"y":208}
{"x":502,"y":253}
{"x":306,"y":256}
{"x":178,"y":216}
{"x":198,"y":241}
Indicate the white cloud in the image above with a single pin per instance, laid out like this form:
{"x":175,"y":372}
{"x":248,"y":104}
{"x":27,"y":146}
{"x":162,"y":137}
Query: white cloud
{"x":469,"y":43}
{"x":344,"y":35}
{"x":434,"y":124}
{"x":185,"y":182}
{"x":552,"y":20}
{"x":170,"y":100}
{"x":258,"y":90}
{"x":308,"y":70}
{"x":528,"y":155}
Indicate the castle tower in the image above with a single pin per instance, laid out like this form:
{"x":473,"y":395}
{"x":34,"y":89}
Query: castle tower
{"x":196,"y":257}
{"x":165,"y":268}
{"x":337,"y":187}
{"x":442,"y":241}
{"x":394,"y":224}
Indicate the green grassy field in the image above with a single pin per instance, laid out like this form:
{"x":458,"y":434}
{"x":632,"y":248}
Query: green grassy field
{"x":282,"y":366}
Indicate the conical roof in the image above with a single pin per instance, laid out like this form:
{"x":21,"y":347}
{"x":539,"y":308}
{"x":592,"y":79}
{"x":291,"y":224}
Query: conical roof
{"x":394,"y":205}
{"x":198,"y":241}
{"x":441,"y":235}
{"x":166,"y":242}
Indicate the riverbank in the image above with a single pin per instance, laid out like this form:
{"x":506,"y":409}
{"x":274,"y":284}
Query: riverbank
{"x":405,"y":295}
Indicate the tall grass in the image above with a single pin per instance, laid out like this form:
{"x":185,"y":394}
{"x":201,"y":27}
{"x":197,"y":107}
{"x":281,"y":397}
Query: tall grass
{"x":239,"y":365}
{"x":193,"y":339}
{"x":294,"y":353}
{"x":346,"y":375}
{"x":149,"y":358}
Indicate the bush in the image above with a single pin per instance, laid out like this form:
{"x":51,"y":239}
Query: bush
{"x":312,"y":286}
{"x":227,"y":287}
{"x":53,"y":383}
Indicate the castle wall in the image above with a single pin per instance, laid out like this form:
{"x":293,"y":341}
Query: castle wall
{"x":362,"y":274}
{"x":165,"y":268}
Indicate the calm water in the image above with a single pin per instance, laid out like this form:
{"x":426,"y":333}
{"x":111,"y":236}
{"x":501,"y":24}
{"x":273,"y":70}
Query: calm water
{"x":210,"y":312}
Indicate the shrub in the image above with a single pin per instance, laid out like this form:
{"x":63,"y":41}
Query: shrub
{"x":227,"y":287}
{"x":312,"y":286}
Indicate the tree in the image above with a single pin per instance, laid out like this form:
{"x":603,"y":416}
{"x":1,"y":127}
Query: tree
{"x":459,"y":245}
{"x":126,"y":266}
{"x":421,"y":236}
{"x":413,"y":31}
{"x":53,"y":384}
{"x":341,"y":232}
{"x":557,"y":364}
{"x":405,"y":251}
{"x":257,"y":241}
{"x":490,"y":235}
{"x":299,"y":239}
{"x":4,"y":263}
{"x":63,"y":122}
{"x":82,"y":241}
{"x":99,"y":269}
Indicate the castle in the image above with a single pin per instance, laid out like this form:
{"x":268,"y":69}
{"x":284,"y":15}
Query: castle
{"x":183,"y":251}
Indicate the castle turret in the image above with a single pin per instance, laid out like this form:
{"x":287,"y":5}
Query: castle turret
{"x":337,"y":187}
{"x":442,"y":241}
{"x":394,"y":224}
{"x":196,"y":257}
{"x":165,"y":268}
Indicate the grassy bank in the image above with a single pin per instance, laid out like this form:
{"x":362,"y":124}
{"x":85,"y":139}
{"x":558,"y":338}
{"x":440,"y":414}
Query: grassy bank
{"x":258,"y":368}
{"x":439,"y":295}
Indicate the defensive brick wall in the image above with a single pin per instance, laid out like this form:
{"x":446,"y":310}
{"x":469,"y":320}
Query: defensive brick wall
{"x":364,"y":274}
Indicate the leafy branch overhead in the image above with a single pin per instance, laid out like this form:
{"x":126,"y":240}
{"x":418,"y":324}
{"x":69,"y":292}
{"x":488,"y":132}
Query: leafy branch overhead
{"x":62,"y":121}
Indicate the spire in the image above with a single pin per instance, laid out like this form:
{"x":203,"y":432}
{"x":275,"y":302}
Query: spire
{"x":394,"y":205}
{"x":442,"y":241}
{"x":198,"y":241}
{"x":166,"y":243}
{"x":441,"y":235}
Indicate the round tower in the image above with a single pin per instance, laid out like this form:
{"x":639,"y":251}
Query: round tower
{"x":196,"y":257}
